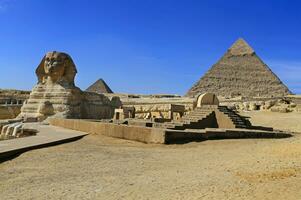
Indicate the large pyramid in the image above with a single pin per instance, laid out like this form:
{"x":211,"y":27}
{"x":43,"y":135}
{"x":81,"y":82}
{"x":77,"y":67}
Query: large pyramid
{"x":99,"y":87}
{"x":240,"y":72}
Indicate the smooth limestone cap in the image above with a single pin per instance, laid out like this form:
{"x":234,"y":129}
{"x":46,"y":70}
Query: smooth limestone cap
{"x":241,"y":48}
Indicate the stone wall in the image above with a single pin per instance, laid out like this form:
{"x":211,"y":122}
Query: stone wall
{"x":141,"y":134}
{"x":154,"y":105}
{"x":160,"y":136}
{"x":223,"y":121}
{"x":13,"y":96}
{"x":11,"y":102}
{"x":9,"y":111}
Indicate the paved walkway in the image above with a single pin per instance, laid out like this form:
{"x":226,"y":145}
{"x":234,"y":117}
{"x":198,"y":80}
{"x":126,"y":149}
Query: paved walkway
{"x":47,"y":136}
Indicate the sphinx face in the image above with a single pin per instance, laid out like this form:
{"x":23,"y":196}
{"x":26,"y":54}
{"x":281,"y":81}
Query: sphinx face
{"x":56,"y":68}
{"x":54,"y":65}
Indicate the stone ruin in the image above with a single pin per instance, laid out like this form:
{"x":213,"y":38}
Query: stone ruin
{"x":11,"y":102}
{"x":56,"y":95}
{"x":151,"y":106}
{"x":15,"y":130}
{"x":240,"y":72}
{"x":124,"y":113}
{"x":208,"y":120}
{"x":208,"y":114}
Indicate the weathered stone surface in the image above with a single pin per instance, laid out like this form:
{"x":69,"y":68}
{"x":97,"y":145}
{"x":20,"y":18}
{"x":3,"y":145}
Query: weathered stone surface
{"x":56,"y":68}
{"x":253,"y":106}
{"x":9,"y":111}
{"x":12,"y":130}
{"x":207,"y":99}
{"x":56,"y":94}
{"x":240,"y":72}
{"x":268,"y":104}
{"x":11,"y":102}
{"x":141,"y":134}
{"x":13,"y":96}
{"x":281,"y":109}
{"x":157,"y":107}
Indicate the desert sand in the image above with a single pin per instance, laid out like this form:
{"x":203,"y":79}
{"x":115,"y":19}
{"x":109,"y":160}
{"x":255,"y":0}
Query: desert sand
{"x":99,"y":167}
{"x":281,"y":121}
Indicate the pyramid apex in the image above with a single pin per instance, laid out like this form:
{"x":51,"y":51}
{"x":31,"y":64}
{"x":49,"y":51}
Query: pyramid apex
{"x":100,"y":80}
{"x":240,"y":48}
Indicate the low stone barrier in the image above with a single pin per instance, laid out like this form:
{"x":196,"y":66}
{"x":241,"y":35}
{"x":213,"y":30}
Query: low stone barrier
{"x":136,"y":133}
{"x":179,"y":136}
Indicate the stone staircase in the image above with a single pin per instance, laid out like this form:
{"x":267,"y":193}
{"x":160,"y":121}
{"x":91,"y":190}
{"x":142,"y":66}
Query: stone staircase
{"x":196,"y":119}
{"x":238,"y":121}
{"x":197,"y":114}
{"x":205,"y":117}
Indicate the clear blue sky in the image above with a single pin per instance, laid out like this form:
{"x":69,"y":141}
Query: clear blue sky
{"x":146,"y":46}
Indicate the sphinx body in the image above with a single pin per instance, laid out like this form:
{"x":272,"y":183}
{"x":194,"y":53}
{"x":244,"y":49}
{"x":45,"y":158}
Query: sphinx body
{"x":56,"y":94}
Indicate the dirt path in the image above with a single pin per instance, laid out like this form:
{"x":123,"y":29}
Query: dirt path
{"x":98,"y":167}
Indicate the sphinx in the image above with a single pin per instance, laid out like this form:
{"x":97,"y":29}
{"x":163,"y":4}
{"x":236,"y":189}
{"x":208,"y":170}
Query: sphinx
{"x":56,"y":95}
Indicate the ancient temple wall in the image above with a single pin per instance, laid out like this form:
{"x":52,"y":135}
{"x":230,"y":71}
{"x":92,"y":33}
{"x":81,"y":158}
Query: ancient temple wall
{"x":157,"y":107}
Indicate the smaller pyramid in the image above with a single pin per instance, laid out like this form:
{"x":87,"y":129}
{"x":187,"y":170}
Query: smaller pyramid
{"x":99,"y":86}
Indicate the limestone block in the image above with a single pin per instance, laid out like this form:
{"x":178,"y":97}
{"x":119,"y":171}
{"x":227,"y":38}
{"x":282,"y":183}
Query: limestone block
{"x":17,"y":130}
{"x":282,"y":109}
{"x":246,"y":105}
{"x":207,"y":99}
{"x":252,"y":106}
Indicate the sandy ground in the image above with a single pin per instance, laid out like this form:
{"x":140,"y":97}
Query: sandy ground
{"x":281,"y":121}
{"x":99,"y":167}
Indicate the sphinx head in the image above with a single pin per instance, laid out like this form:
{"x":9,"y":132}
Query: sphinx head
{"x":56,"y":68}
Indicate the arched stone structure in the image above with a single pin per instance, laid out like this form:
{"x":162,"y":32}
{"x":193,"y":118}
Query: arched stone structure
{"x":207,"y":99}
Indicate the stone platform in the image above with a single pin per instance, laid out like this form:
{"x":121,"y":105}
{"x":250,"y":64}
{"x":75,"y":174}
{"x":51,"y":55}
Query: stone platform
{"x":47,"y":136}
{"x":189,"y":135}
{"x":160,"y":135}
